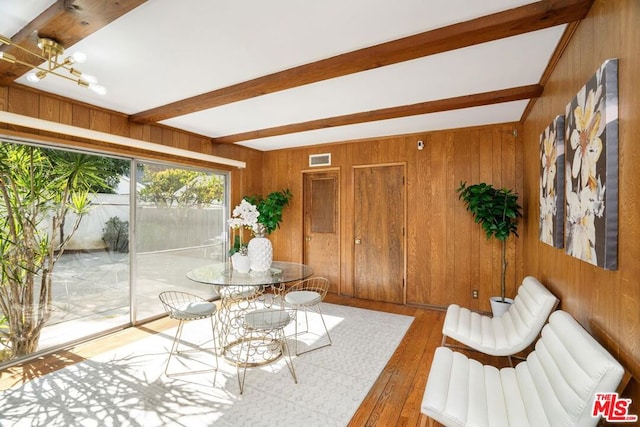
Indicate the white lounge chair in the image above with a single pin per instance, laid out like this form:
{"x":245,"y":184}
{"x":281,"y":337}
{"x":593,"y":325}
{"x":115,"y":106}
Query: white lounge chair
{"x":509,"y":334}
{"x":555,"y":386}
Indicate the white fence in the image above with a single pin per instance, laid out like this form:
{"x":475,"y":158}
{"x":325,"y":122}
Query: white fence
{"x":157,"y":228}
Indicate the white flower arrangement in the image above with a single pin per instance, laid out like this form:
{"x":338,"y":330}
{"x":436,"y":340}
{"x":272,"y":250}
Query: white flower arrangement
{"x":245,"y":215}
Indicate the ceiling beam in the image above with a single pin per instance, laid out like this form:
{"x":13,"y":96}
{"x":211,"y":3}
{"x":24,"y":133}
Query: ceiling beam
{"x":466,"y":101}
{"x":555,"y":58}
{"x":67,"y":22}
{"x":520,"y":20}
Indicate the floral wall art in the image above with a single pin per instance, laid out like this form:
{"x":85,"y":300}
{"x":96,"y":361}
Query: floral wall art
{"x":591,"y":188}
{"x":552,"y":184}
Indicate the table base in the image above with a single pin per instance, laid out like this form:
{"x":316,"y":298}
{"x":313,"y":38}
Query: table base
{"x":267,"y":351}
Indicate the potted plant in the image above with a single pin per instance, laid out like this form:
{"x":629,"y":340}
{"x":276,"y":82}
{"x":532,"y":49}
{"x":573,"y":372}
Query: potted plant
{"x":244,"y":216}
{"x":115,"y":234}
{"x":269,"y":218}
{"x":270,"y":208}
{"x":497,"y":211}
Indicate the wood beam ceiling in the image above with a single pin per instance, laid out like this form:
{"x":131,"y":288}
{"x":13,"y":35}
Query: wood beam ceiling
{"x":467,"y":101}
{"x":67,"y":22}
{"x":520,"y":20}
{"x":555,"y":57}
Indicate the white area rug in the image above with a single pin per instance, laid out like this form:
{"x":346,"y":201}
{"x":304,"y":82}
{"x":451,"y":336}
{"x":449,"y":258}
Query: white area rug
{"x":127,"y":387}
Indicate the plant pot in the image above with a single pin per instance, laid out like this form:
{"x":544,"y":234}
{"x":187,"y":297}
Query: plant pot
{"x":260,"y":253}
{"x":241,"y":263}
{"x":498,"y":307}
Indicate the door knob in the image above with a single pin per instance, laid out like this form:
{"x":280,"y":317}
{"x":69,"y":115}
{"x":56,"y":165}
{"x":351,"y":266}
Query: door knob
{"x":358,"y":240}
{"x":308,"y":238}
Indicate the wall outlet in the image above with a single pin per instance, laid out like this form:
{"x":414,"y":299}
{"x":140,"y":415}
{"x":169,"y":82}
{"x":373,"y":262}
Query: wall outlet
{"x":474,"y":294}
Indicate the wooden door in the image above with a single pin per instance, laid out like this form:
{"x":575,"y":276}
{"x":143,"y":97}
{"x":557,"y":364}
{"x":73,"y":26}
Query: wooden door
{"x":322,"y":225}
{"x":379,"y":216}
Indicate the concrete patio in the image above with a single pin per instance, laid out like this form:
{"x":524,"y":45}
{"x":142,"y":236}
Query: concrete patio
{"x":91,"y":290}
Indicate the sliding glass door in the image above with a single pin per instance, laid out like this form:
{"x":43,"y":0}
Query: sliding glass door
{"x":88,"y":241}
{"x":180,"y":218}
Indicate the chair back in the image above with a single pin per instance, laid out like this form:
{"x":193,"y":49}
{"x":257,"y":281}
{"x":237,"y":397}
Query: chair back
{"x":177,"y":303}
{"x":312,"y":284}
{"x":568,"y":369}
{"x":529,"y":312}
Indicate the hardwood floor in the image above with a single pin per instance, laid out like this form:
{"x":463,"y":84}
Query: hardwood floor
{"x":394,"y":399}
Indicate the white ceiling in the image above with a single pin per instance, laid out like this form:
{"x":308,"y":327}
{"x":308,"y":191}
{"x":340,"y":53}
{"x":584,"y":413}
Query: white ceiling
{"x":167,"y":50}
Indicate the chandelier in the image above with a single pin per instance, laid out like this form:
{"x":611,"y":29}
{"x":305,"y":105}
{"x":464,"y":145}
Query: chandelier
{"x":51,"y":54}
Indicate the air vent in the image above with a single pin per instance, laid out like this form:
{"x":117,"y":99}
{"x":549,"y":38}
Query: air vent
{"x":320,"y":160}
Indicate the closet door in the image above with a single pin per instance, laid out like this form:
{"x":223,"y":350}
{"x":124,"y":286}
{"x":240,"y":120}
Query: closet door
{"x":378,"y":247}
{"x":322,"y":225}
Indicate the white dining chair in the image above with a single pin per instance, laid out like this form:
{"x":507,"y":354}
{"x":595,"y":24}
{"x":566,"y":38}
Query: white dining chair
{"x":306,"y":296}
{"x":186,"y":307}
{"x":264,"y":341}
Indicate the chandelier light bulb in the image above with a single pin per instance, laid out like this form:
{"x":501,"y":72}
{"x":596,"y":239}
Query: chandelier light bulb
{"x":51,"y":51}
{"x":6,"y":57}
{"x":33,"y":77}
{"x":89,"y":78}
{"x":79,"y":57}
{"x":100,"y":90}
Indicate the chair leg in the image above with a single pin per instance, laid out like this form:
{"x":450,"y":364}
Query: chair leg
{"x":241,"y":367}
{"x":295,"y":321}
{"x":306,"y":328}
{"x":324,"y":324}
{"x":306,"y":319}
{"x":175,"y":350}
{"x":174,"y":347}
{"x":214,"y":337}
{"x":284,"y":347}
{"x":296,"y":330}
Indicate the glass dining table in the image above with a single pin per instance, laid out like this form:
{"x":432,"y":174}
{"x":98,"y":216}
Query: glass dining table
{"x":243,"y":292}
{"x":222,"y":275}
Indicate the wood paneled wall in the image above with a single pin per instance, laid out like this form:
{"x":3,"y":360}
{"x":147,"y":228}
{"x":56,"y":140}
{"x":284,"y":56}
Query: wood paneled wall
{"x":61,"y":110}
{"x":447,"y":253}
{"x":610,"y":299}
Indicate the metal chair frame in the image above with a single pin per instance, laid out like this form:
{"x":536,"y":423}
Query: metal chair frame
{"x":264,"y":338}
{"x":174,"y":303}
{"x":319,"y":285}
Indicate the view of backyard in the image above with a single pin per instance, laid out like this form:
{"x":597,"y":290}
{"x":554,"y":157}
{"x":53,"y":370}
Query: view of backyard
{"x":112,"y":233}
{"x":91,"y":290}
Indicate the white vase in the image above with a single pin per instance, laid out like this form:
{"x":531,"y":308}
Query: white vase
{"x":260,"y":253}
{"x":241,"y":263}
{"x":498,"y":307}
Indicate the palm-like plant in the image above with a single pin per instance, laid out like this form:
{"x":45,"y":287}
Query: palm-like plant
{"x":497,"y":211}
{"x":38,"y":189}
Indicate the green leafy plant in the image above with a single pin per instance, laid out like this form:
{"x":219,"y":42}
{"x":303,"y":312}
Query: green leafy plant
{"x":497,"y":211}
{"x":181,"y":187}
{"x":270,"y":208}
{"x":5,"y":349}
{"x":115,"y":234}
{"x":39,"y":188}
{"x":238,"y":246}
